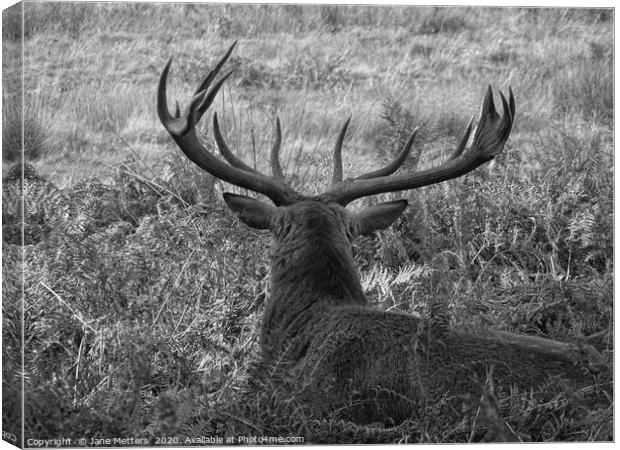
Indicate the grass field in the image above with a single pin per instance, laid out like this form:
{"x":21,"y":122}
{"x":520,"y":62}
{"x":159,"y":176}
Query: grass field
{"x":143,"y":294}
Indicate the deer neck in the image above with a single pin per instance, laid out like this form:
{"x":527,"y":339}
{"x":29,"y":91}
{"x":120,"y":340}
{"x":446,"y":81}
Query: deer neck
{"x":316,"y":268}
{"x":308,"y":280}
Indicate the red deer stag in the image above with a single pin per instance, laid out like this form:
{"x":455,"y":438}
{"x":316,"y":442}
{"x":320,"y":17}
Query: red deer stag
{"x":318,"y":329}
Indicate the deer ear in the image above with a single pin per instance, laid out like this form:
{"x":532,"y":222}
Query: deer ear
{"x":252,"y":212}
{"x":378,"y":217}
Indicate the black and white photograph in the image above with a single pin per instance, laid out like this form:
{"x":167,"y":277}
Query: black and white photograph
{"x":306,"y":224}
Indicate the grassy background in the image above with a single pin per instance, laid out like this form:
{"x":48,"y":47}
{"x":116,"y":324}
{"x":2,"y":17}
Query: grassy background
{"x":143,"y":294}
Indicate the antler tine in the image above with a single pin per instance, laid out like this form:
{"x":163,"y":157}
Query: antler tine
{"x":177,"y":110}
{"x":488,"y":113}
{"x":208,"y":79}
{"x":488,"y":104}
{"x":491,"y":135}
{"x":489,"y":139}
{"x":182,"y":128}
{"x":207,"y":98}
{"x":162,"y":97}
{"x":225,"y":150}
{"x":337,"y":176}
{"x":508,"y":115}
{"x":276,"y":168}
{"x":394,"y":165}
{"x":463,"y":142}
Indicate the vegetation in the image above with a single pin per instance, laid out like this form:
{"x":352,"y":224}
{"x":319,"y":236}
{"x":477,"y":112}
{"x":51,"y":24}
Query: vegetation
{"x":142,"y":292}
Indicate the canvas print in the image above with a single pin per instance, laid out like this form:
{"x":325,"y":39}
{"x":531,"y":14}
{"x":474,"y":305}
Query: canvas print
{"x":250,"y":224}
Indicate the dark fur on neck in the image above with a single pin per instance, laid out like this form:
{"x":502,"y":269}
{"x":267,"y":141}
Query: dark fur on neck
{"x":312,"y":272}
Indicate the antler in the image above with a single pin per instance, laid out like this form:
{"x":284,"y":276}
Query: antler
{"x":491,"y":134}
{"x":337,"y":176}
{"x":182,"y":128}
